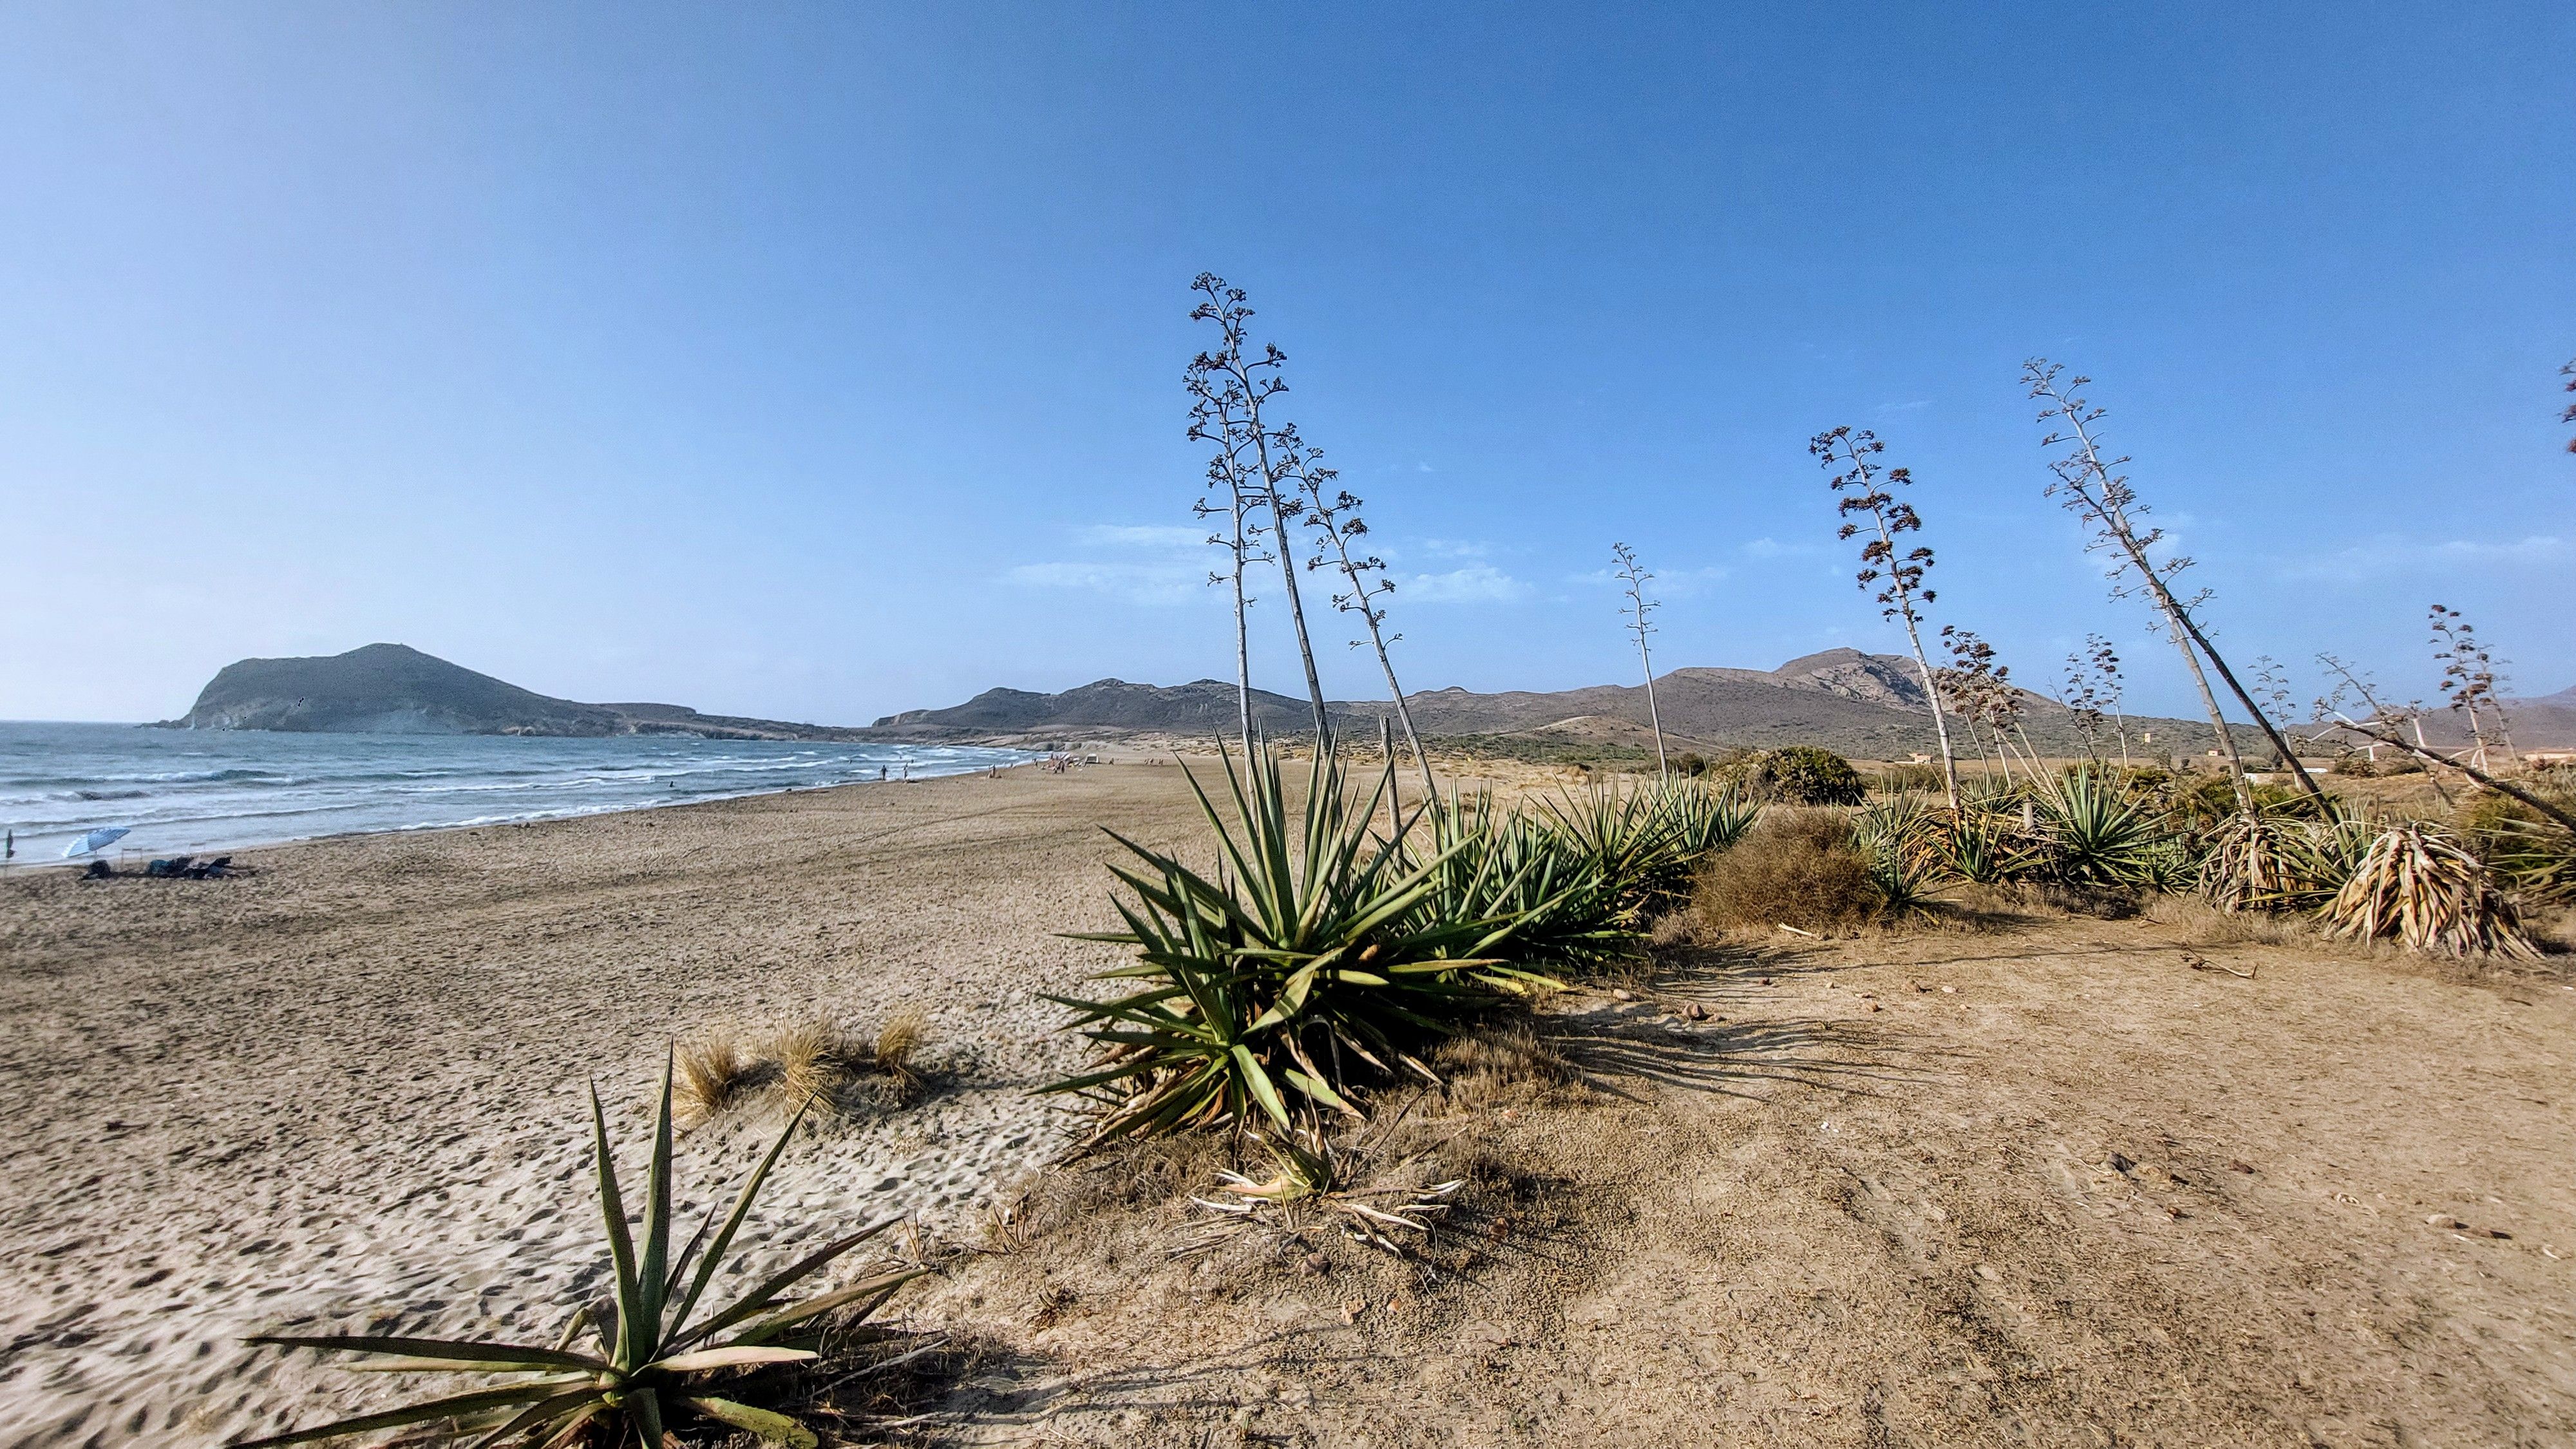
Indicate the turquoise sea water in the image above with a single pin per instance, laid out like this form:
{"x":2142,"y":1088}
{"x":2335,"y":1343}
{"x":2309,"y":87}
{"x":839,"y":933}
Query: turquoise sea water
{"x":186,"y":791}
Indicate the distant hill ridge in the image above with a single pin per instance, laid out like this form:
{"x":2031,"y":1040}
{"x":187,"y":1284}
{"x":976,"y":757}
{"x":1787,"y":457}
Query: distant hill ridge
{"x":1870,"y":705}
{"x":1865,"y":705}
{"x":395,"y":689}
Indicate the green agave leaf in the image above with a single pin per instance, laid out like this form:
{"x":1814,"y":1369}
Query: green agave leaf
{"x":581,"y":1403}
{"x":877,"y":1290}
{"x":1314,"y":1087}
{"x":762,"y":1298}
{"x":652,"y":1271}
{"x":481,"y":1401}
{"x":644,"y":1408}
{"x":1259,"y":1082}
{"x":482,"y":1357}
{"x":573,"y":1427}
{"x":733,"y":1223}
{"x":621,"y":1248}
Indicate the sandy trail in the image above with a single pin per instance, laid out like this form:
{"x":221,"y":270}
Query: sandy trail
{"x":347,"y":1091}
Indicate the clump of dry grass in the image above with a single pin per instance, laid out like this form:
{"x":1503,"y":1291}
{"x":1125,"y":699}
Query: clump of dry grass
{"x":710,"y":1072}
{"x":1498,"y":1061}
{"x":810,"y":1057}
{"x":2202,"y":924}
{"x":1794,"y":868}
{"x":811,"y":1063}
{"x":897,"y":1041}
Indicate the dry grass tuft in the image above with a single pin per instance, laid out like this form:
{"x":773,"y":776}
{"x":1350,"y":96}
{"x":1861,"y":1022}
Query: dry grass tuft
{"x":2202,"y":924}
{"x":897,"y":1040}
{"x":1499,"y":1061}
{"x":711,"y":1072}
{"x":810,"y":1057}
{"x":1794,"y":868}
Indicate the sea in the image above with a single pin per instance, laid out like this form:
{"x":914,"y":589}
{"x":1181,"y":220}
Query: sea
{"x":194,"y":791}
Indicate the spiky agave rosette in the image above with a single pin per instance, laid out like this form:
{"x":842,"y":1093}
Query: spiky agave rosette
{"x":1310,"y":957}
{"x":653,"y":1361}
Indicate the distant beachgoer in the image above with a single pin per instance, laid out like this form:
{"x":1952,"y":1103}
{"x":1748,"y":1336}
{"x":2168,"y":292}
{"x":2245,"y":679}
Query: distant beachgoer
{"x":881,"y":772}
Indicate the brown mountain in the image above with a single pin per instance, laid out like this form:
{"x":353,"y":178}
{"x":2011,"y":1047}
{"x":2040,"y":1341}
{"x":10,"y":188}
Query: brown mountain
{"x":1867,"y":705}
{"x":395,"y":689}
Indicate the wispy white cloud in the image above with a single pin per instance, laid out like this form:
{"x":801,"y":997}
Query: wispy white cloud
{"x":1141,"y":583}
{"x":2393,"y":555}
{"x":1140,"y":535}
{"x":1151,"y":564}
{"x":1474,"y":584}
{"x":1905,"y":407}
{"x":1666,"y":584}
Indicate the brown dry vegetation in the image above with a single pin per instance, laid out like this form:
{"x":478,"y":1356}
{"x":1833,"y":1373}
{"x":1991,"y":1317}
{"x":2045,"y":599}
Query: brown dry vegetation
{"x":1793,"y":868}
{"x":2047,"y":1184}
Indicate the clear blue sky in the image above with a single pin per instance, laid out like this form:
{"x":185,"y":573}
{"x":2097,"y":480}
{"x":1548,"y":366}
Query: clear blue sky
{"x":817,"y":361}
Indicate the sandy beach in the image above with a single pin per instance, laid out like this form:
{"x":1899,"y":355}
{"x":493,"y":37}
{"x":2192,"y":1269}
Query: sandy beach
{"x":2046,"y":1181}
{"x":349,"y":1088}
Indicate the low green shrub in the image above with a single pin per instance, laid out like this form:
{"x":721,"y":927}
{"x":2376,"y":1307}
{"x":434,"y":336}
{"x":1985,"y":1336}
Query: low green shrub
{"x":1796,"y":775}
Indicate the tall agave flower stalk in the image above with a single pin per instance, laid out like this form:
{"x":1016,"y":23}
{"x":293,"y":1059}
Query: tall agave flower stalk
{"x":1337,"y":524}
{"x":2089,"y":487}
{"x":1230,"y":392}
{"x":1851,"y":458}
{"x":1634,"y":576}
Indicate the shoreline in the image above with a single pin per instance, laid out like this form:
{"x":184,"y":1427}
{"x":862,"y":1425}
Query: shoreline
{"x":547,"y":818}
{"x":251,"y":790}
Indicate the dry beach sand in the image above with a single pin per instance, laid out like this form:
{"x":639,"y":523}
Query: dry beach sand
{"x":352,"y":1083}
{"x":2084,"y":1195}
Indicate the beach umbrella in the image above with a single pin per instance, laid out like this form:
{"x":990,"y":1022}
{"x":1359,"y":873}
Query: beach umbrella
{"x":95,"y":840}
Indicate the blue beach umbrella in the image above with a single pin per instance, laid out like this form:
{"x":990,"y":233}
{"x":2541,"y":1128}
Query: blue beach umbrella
{"x":95,"y":840}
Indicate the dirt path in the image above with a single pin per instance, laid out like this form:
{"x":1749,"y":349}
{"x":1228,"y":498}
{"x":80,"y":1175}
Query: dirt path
{"x":2049,"y":1187}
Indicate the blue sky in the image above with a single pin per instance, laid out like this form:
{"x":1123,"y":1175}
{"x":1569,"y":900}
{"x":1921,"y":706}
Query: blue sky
{"x":818,"y":361}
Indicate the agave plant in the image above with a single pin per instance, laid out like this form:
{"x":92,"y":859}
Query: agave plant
{"x":2264,"y":860}
{"x":1499,"y":865}
{"x":1646,"y":842}
{"x":2535,"y":857}
{"x":1313,"y":944}
{"x":653,"y":1362}
{"x":1903,"y":839}
{"x":1984,"y":847}
{"x":2419,"y":886}
{"x":2096,"y":834}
